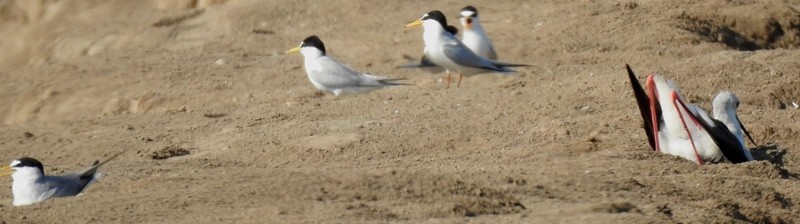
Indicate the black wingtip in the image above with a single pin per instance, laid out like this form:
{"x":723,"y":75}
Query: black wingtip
{"x":414,"y":65}
{"x":89,"y":173}
{"x":644,"y":106}
{"x":507,"y":64}
{"x":393,"y":82}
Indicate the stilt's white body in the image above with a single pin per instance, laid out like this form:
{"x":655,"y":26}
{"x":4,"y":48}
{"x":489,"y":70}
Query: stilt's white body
{"x":674,"y":136}
{"x":675,"y":127}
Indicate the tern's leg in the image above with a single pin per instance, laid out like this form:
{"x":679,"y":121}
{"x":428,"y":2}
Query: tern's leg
{"x":448,"y":79}
{"x":460,"y":76}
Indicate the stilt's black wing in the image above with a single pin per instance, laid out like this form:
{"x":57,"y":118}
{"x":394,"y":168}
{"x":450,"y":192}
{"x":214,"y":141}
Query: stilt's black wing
{"x":730,"y":146}
{"x":644,"y":107}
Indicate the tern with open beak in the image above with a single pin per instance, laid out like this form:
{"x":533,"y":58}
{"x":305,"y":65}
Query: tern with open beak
{"x":30,"y":184}
{"x":474,"y":36}
{"x":678,"y":128}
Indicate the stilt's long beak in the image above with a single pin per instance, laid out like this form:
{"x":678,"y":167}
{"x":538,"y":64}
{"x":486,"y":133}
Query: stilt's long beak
{"x":5,"y":171}
{"x":746,"y":132}
{"x":414,"y":24}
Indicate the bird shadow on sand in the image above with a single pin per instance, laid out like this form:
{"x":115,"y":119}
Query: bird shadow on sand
{"x":773,"y":154}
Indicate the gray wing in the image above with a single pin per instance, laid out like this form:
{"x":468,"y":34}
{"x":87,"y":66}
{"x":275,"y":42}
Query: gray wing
{"x":492,"y":54}
{"x":463,"y":56}
{"x":74,"y":183}
{"x":338,"y":75}
{"x":67,"y":185}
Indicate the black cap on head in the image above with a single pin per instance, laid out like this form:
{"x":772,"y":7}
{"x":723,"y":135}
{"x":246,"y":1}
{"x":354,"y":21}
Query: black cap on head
{"x":314,"y":41}
{"x":29,"y":162}
{"x":471,"y":9}
{"x":438,"y":16}
{"x":452,"y":29}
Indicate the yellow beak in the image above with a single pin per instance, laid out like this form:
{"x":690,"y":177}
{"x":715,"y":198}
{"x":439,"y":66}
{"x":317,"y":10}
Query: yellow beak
{"x":5,"y":171}
{"x":415,"y":23}
{"x":296,"y":49}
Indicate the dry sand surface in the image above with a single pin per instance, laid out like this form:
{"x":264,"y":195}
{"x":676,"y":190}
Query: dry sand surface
{"x":220,"y":126}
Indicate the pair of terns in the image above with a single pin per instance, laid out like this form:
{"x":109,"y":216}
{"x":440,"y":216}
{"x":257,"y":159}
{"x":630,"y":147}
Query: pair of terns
{"x":676,"y":127}
{"x":30,"y":184}
{"x":441,"y":48}
{"x":474,"y":37}
{"x":473,"y":56}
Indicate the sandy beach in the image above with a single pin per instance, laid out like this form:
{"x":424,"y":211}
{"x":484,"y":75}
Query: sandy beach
{"x":220,"y":126}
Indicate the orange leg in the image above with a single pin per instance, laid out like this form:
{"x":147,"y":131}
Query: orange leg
{"x":460,"y":76}
{"x":448,"y":80}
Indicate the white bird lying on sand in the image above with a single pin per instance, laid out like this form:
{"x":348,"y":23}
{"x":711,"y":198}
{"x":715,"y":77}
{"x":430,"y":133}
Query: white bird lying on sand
{"x":31,"y":185}
{"x":678,"y":128}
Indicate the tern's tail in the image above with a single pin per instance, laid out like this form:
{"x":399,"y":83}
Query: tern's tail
{"x":507,"y":64}
{"x":393,"y":82}
{"x":91,"y":172}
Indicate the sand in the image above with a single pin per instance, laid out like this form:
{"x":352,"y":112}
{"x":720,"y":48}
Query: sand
{"x":220,"y":126}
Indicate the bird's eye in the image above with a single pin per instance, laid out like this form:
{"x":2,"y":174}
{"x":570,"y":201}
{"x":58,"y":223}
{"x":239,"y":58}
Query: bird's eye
{"x":425,"y":17}
{"x":737,"y":103}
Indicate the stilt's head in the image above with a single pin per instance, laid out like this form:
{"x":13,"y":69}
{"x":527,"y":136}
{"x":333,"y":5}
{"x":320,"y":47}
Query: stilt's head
{"x":726,"y":101}
{"x":724,"y":109}
{"x":725,"y":106}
